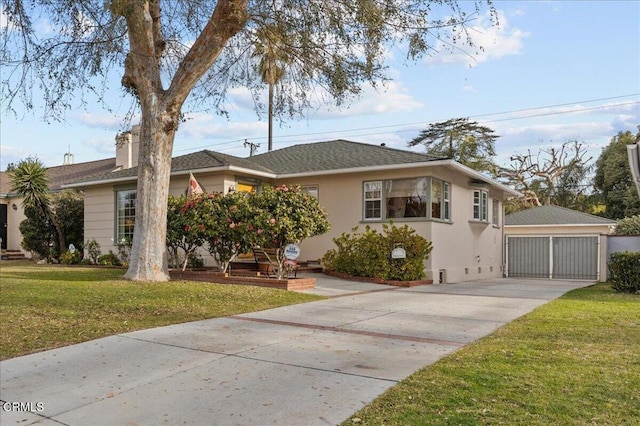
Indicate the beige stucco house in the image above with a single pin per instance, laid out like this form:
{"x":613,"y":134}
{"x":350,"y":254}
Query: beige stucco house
{"x":556,"y":242}
{"x":358,"y":184}
{"x":12,"y":211}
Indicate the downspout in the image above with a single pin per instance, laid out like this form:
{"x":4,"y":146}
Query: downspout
{"x":550,"y":257}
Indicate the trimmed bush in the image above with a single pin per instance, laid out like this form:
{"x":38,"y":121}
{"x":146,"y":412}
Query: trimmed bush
{"x":624,"y":270}
{"x":368,"y":254}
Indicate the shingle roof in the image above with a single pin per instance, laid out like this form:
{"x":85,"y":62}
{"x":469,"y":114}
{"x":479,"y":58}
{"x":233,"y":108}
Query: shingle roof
{"x":67,"y":173}
{"x":197,"y":160}
{"x":59,"y":175}
{"x":554,"y":215}
{"x":335,"y":155}
{"x":4,"y":184}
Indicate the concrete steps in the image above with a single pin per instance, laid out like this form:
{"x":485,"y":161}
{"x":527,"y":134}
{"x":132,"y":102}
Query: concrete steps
{"x":12,"y":255}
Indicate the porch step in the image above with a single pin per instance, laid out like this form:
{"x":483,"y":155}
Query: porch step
{"x":13,"y":255}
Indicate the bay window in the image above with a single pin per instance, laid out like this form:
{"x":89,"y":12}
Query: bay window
{"x":422,"y":197}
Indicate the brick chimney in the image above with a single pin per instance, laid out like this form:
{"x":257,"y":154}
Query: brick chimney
{"x":127,"y":148}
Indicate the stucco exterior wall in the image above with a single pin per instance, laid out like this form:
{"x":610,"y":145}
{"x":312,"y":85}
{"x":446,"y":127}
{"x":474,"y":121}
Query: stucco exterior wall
{"x":99,"y":218}
{"x":14,"y":217}
{"x":464,"y":249}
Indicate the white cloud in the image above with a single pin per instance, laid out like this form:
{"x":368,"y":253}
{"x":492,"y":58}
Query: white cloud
{"x":101,"y":120}
{"x":393,"y":98}
{"x":202,"y":126}
{"x":491,"y":41}
{"x":101,"y":145}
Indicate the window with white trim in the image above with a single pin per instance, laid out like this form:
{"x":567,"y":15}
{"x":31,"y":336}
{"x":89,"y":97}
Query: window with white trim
{"x":373,"y":200}
{"x":422,"y":197}
{"x":496,"y":213}
{"x":480,"y":205}
{"x":125,"y":214}
{"x":310,"y":190}
{"x":447,"y":202}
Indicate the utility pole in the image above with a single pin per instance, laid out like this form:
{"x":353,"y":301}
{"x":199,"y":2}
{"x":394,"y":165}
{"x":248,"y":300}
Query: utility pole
{"x":253,"y":147}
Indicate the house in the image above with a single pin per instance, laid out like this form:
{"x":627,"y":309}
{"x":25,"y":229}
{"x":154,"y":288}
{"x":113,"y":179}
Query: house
{"x":556,"y":242}
{"x":358,"y":184}
{"x":11,"y":210}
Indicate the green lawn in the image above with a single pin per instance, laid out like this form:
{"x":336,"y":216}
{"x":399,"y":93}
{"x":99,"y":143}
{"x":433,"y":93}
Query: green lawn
{"x":575,"y":360}
{"x":45,"y":307}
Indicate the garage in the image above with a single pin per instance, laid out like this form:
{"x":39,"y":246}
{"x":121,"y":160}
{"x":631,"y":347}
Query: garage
{"x":553,"y":257}
{"x":555,"y":243}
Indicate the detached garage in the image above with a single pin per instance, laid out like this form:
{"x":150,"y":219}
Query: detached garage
{"x":555,"y":243}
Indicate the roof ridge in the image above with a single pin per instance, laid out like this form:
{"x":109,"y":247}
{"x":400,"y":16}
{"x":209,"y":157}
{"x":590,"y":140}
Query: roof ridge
{"x":82,"y":163}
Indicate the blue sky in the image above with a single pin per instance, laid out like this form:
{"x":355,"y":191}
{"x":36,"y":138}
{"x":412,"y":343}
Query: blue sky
{"x":552,"y":71}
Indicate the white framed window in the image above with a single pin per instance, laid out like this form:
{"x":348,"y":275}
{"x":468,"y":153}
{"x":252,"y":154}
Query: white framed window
{"x":446,"y":201}
{"x":495,"y":216}
{"x":480,"y":205}
{"x":373,"y":200}
{"x":310,"y":189}
{"x":408,"y":198}
{"x":125,"y":214}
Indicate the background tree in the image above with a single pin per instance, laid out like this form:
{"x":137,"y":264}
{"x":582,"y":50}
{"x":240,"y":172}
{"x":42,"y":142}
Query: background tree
{"x":628,"y":226}
{"x":168,"y":48}
{"x":557,"y":176}
{"x":29,"y":180}
{"x":465,"y":141}
{"x":273,"y":60}
{"x":39,"y":236}
{"x":613,"y":178}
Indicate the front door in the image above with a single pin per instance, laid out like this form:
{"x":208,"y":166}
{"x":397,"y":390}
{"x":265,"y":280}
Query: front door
{"x":3,"y":225}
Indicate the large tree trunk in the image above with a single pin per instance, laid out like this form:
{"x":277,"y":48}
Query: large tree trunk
{"x":160,"y":111}
{"x":149,"y":238}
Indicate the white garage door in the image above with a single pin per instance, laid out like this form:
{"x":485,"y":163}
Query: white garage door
{"x":559,"y":257}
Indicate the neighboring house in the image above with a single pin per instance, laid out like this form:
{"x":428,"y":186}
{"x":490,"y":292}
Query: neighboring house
{"x":556,"y":242}
{"x":358,"y":184}
{"x":11,"y":210}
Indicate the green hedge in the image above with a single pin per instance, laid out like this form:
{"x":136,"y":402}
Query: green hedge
{"x":624,"y":272}
{"x":368,"y":254}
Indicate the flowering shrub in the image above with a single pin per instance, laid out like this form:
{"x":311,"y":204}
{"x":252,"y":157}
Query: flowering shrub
{"x":285,"y":215}
{"x":226,"y":223}
{"x":182,"y":230}
{"x":368,"y":254}
{"x":230,"y":224}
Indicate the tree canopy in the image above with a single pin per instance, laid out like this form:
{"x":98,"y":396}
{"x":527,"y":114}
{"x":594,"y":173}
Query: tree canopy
{"x":465,"y":141}
{"x":555,"y":175}
{"x":168,"y":51}
{"x":613,"y":178}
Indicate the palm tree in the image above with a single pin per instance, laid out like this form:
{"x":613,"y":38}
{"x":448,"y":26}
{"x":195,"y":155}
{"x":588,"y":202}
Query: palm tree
{"x":29,"y":179}
{"x":272,"y":61}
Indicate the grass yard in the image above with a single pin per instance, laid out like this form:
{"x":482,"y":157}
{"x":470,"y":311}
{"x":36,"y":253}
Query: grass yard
{"x":575,"y":360}
{"x":45,"y":307}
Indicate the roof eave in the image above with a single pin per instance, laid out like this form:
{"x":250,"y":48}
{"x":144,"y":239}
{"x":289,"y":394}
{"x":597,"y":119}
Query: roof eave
{"x":177,"y":173}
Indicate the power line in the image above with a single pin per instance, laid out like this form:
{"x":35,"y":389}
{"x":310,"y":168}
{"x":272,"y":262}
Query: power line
{"x":425,"y":123}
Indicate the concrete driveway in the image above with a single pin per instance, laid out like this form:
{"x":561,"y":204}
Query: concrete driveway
{"x":310,"y":364}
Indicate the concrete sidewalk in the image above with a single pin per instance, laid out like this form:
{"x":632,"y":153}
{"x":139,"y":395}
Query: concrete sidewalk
{"x":309,"y":364}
